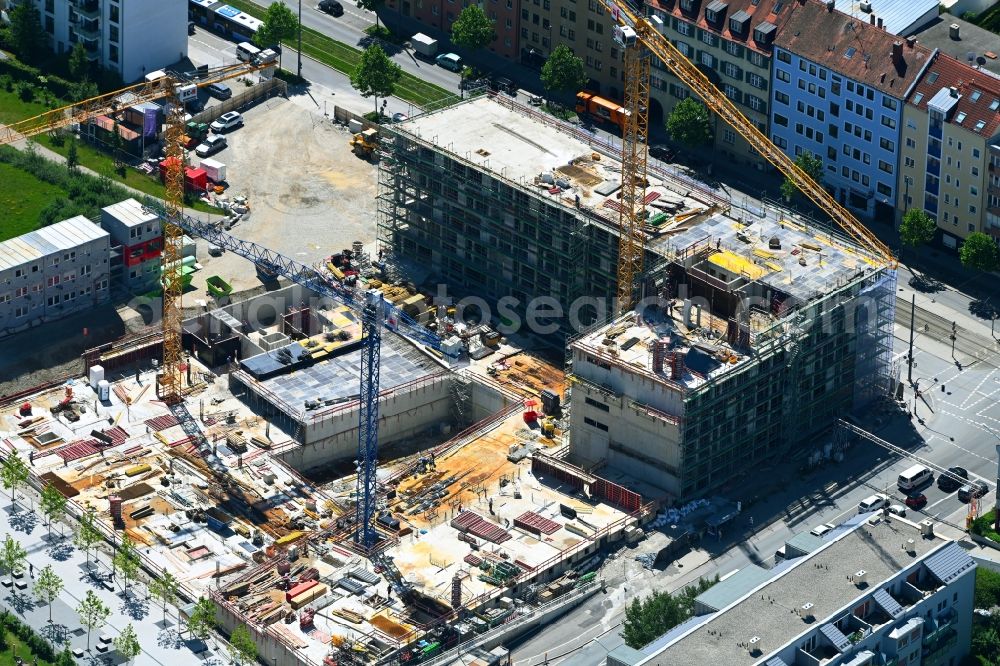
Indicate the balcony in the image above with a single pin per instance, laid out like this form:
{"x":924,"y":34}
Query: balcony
{"x":88,"y":7}
{"x":88,"y":29}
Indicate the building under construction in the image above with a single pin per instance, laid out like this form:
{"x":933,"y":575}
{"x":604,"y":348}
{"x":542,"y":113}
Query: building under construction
{"x":758,"y":330}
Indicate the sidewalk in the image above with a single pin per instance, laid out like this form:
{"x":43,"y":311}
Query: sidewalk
{"x":160,"y":641}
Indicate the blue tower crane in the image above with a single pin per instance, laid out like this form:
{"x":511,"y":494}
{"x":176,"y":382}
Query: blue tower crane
{"x":374,"y":312}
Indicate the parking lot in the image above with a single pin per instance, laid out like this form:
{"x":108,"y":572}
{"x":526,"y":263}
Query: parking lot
{"x":309,"y":195}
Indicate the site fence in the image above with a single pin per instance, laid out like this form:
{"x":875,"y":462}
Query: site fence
{"x":243,"y":100}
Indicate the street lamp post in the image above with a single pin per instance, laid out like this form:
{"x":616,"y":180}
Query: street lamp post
{"x":300,"y":39}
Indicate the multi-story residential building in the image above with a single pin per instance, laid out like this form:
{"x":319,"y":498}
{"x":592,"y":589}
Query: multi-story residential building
{"x":731,"y":41}
{"x":51,"y":273}
{"x":963,"y":41}
{"x":871,"y":591}
{"x":951,"y":145}
{"x":131,"y":38}
{"x":900,"y":17}
{"x":440,"y":14}
{"x":137,"y":241}
{"x":839,"y":89}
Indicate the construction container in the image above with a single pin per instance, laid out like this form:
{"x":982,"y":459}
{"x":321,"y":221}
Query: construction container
{"x":550,"y":401}
{"x":299,"y":589}
{"x":291,"y":537}
{"x":218,"y":287}
{"x":104,"y":390}
{"x":215,"y":170}
{"x":136,"y":470}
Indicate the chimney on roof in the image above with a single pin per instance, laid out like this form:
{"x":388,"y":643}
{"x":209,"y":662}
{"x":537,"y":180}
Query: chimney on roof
{"x":830,"y":4}
{"x":871,"y":19}
{"x":911,"y":41}
{"x":880,"y":22}
{"x":953,"y":91}
{"x":954,"y":31}
{"x":897,"y":52}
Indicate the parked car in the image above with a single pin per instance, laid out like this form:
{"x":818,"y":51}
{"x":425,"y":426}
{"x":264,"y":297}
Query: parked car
{"x":947,"y":483}
{"x":898,"y":510}
{"x":820,"y":530}
{"x":451,"y":61}
{"x":226,"y":122}
{"x":663,"y":153}
{"x":916,"y":500}
{"x":220,"y":91}
{"x":331,"y":7}
{"x":399,"y":117}
{"x":875,"y":502}
{"x":970,"y":490}
{"x":212,"y":144}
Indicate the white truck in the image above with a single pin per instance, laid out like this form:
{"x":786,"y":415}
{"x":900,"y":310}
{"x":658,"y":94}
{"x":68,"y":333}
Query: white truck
{"x":424,"y":46}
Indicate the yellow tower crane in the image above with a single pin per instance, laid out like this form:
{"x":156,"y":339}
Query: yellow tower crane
{"x":640,"y":40}
{"x":167,"y":87}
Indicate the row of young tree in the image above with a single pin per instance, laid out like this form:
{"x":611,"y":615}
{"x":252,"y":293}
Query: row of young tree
{"x":92,"y":611}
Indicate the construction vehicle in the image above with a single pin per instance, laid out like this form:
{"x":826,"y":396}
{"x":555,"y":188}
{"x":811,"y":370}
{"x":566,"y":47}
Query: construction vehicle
{"x":364,"y":144}
{"x":640,"y":40}
{"x":600,"y":109}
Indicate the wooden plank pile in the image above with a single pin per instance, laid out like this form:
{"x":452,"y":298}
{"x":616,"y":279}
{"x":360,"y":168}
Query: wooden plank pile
{"x":469,"y":521}
{"x":530,"y":521}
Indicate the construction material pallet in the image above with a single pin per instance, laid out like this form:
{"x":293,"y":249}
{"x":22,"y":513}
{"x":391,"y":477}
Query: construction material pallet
{"x":469,"y":521}
{"x":162,"y":422}
{"x":365,"y":576}
{"x":473,"y":559}
{"x":78,"y":449}
{"x":532,"y":522}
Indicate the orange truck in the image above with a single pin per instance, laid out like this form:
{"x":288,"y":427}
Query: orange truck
{"x":600,"y":109}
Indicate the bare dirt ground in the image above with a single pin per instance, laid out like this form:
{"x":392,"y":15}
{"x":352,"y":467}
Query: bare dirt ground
{"x":309,"y":195}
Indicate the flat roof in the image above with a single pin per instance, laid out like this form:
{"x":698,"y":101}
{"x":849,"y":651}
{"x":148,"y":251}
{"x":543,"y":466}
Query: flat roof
{"x":822,"y":578}
{"x":130,"y":213}
{"x":899,"y":17}
{"x":34,"y":245}
{"x":972,"y":40}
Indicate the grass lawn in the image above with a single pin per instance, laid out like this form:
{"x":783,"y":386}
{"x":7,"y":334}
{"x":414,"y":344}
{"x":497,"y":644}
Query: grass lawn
{"x":22,"y":198}
{"x":102,"y":163}
{"x":13,"y":108}
{"x":17,"y":648}
{"x":344,"y":58}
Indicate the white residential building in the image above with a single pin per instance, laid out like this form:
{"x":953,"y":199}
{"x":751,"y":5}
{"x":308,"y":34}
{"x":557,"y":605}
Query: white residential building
{"x":131,"y":38}
{"x":53,"y":272}
{"x":870,"y":592}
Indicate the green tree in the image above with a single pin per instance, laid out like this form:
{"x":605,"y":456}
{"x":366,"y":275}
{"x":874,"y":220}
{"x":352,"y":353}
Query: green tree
{"x":12,"y":556}
{"x":813,"y":167}
{"x":27,"y":37}
{"x":917,"y":228}
{"x":72,"y":155}
{"x":473,"y":29}
{"x":376,"y":75}
{"x":65,"y":658}
{"x":87,"y":535}
{"x":649,"y":618}
{"x":127,"y":643}
{"x":241,"y":645}
{"x":202,"y":619}
{"x":563,"y":71}
{"x":126,"y":561}
{"x":164,"y":588}
{"x":372,"y":6}
{"x":987,"y":588}
{"x":690,"y":123}
{"x":280,"y":23}
{"x":93,"y":613}
{"x":979,"y":252}
{"x":53,"y":504}
{"x":79,"y":65}
{"x":47,"y":587}
{"x":13,"y":473}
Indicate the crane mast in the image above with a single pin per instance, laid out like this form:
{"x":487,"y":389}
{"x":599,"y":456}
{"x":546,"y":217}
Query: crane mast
{"x":644,"y":36}
{"x":635,"y":134}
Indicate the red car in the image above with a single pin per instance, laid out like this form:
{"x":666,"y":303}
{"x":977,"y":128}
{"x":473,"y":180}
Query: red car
{"x":916,"y":501}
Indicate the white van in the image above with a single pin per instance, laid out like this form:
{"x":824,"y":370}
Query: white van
{"x":914,"y":477}
{"x":246,"y":51}
{"x":873,"y":503}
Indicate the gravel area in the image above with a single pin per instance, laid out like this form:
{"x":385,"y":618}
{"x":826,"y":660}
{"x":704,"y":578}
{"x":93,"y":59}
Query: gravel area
{"x":309,"y":195}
